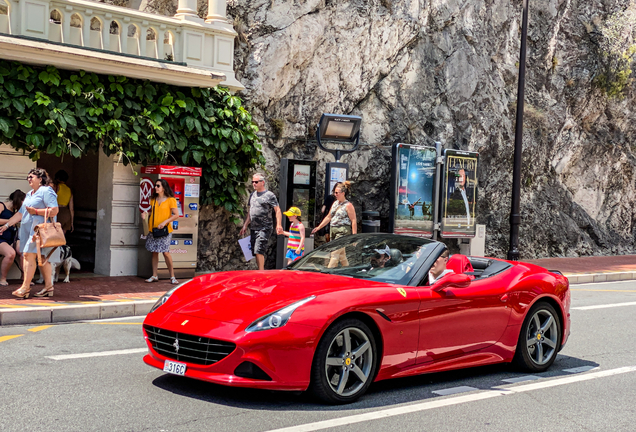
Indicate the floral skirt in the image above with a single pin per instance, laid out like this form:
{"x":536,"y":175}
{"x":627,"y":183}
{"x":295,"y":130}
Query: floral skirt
{"x":158,"y":245}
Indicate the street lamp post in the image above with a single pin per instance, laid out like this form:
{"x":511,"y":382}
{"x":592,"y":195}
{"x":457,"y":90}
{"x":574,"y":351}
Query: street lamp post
{"x":515,"y":217}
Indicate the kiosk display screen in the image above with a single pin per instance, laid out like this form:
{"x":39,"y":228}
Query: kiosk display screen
{"x":415,"y":180}
{"x":459,"y":194}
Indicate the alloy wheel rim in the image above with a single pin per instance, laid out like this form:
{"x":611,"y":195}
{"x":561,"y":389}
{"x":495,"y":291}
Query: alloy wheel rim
{"x":542,"y":337}
{"x":349,"y":362}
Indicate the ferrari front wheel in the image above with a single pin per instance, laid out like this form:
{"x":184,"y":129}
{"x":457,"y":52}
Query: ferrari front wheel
{"x":539,"y":339}
{"x":345,"y":362}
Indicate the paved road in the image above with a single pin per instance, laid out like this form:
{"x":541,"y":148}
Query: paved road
{"x":46,"y":386}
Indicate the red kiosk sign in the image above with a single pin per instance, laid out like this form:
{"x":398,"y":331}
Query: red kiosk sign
{"x":172,"y":170}
{"x":145,"y":193}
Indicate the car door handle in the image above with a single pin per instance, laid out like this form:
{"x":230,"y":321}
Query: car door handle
{"x":504,"y":298}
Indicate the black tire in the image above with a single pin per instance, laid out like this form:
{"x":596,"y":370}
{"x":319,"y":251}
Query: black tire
{"x":351,"y":371}
{"x":539,"y":339}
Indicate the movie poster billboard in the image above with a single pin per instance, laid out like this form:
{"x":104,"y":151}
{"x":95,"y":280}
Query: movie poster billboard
{"x":415,"y":180}
{"x":459,"y":194}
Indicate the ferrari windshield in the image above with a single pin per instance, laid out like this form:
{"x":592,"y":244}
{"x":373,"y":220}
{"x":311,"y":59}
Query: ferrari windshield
{"x":381,"y":257}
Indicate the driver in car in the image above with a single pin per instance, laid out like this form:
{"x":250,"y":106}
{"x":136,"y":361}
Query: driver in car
{"x":379,"y":259}
{"x":439,"y":269}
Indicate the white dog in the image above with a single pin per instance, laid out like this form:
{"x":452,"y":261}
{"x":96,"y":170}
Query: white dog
{"x":65,"y":260}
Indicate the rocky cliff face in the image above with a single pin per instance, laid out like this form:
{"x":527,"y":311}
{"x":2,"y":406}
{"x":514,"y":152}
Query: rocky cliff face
{"x":446,"y":70}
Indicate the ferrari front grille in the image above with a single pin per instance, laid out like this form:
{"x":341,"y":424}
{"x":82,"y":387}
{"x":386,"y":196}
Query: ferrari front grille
{"x":188,"y":348}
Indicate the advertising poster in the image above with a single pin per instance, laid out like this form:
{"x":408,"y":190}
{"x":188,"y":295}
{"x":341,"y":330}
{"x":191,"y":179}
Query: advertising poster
{"x":337,"y":175}
{"x":415,"y":177}
{"x":459,"y":194}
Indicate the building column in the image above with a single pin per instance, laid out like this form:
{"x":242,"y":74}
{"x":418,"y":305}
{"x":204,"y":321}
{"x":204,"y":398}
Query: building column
{"x":187,"y":10}
{"x":117,"y":218}
{"x":216,"y":11}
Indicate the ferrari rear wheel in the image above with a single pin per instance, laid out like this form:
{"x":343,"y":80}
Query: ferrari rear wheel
{"x":539,"y":339}
{"x":345,"y":362}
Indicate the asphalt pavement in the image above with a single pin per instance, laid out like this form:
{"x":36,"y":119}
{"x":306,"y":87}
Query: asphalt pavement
{"x":89,"y":376}
{"x":90,"y":296}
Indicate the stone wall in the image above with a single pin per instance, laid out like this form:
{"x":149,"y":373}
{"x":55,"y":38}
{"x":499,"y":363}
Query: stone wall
{"x":446,"y":70}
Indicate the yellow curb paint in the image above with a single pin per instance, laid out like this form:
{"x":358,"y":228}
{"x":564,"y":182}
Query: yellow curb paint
{"x":116,"y":323}
{"x":45,"y":304}
{"x":12,"y":306}
{"x":6,"y":338}
{"x":37,"y":329}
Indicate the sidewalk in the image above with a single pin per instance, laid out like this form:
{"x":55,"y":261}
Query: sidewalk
{"x":89,"y":296}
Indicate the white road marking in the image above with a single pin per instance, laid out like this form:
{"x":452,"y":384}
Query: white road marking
{"x":580,"y":369}
{"x":521,"y":379}
{"x":454,"y":390}
{"x":98,"y":354}
{"x":439,"y":403}
{"x":137,"y":317}
{"x":604,"y":306}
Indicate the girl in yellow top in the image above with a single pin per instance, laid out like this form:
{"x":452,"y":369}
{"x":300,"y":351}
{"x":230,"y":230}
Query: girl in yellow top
{"x":163,"y":210}
{"x":64,"y":201}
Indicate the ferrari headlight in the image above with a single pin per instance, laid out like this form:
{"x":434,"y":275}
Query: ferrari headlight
{"x":277,"y":319}
{"x":164,"y":298}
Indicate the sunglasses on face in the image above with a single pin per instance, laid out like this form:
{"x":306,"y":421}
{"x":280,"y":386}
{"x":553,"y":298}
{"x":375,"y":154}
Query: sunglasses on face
{"x":157,"y":185}
{"x":256,"y":181}
{"x":30,"y":177}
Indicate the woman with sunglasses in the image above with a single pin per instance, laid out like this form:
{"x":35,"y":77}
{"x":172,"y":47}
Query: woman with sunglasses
{"x":36,"y":203}
{"x":163,"y":210}
{"x":342,"y":220}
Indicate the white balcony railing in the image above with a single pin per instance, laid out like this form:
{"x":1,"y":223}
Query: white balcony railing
{"x":185,"y":38}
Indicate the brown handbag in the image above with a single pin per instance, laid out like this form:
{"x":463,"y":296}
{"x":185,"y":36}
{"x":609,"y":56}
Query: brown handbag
{"x":48,"y":234}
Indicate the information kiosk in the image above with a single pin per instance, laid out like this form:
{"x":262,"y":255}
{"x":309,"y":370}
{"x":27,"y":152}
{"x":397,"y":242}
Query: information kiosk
{"x":185,"y":183}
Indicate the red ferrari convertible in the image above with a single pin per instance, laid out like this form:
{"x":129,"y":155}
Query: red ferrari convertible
{"x":357,"y":310}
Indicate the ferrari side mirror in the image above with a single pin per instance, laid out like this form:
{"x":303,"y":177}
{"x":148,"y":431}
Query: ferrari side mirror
{"x":452,"y":281}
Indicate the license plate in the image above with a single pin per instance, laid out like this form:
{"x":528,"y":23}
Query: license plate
{"x":174,"y":367}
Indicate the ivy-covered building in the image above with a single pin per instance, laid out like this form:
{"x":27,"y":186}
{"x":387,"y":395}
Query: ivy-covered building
{"x":98,"y":90}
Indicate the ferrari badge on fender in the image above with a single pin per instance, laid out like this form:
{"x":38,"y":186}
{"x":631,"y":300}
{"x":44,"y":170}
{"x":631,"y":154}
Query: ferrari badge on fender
{"x":402,"y":291}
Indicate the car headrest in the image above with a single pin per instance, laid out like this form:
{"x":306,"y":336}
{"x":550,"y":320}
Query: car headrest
{"x":459,"y":264}
{"x":396,"y":258}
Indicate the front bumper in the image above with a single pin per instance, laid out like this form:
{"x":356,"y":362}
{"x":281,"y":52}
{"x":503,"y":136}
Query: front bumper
{"x":284,"y":354}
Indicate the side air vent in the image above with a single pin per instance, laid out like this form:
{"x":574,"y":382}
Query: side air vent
{"x":251,"y":371}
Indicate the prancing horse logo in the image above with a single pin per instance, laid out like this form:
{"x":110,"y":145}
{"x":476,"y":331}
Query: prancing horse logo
{"x":176,"y":345}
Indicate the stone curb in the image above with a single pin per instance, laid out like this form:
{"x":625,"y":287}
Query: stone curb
{"x":57,"y":314}
{"x":581,"y":278}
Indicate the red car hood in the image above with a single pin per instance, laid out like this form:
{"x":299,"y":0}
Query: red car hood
{"x":244,"y":296}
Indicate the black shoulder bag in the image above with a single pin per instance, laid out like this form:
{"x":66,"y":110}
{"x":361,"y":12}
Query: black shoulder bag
{"x":158,"y":232}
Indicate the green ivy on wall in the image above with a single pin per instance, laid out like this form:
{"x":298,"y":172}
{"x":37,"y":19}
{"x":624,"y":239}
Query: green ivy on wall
{"x":65,"y":112}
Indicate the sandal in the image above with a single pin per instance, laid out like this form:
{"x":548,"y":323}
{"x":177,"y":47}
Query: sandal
{"x":173,"y":280}
{"x":152,"y":279}
{"x":22,"y":292}
{"x":46,"y":292}
{"x":4,"y":283}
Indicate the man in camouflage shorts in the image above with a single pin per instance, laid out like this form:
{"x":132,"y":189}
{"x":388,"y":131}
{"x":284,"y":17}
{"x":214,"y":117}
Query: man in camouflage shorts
{"x":260,"y":220}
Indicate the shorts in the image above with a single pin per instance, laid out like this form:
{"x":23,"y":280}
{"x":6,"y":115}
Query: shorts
{"x":259,"y":240}
{"x":292,"y":255}
{"x":340,"y":231}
